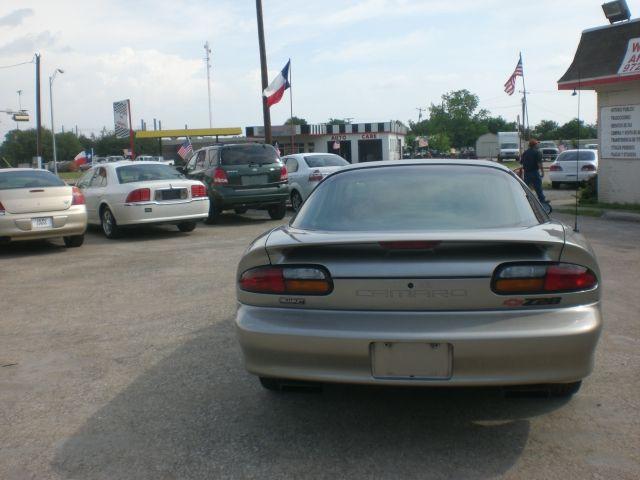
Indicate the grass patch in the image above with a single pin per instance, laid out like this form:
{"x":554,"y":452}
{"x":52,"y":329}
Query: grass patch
{"x":512,"y":164}
{"x":70,"y":175}
{"x":587,"y":212}
{"x":629,"y":207}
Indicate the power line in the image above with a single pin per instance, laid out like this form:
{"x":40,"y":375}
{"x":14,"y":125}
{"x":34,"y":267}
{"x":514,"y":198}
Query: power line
{"x":16,"y":64}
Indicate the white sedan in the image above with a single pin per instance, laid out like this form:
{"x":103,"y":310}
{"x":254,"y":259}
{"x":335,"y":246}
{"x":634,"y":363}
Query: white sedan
{"x":573,"y":166}
{"x":306,"y":170}
{"x":129,"y":193}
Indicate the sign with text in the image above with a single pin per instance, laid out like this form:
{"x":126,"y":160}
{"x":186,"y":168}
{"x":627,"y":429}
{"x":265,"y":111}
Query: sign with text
{"x":631,"y":62}
{"x":121,"y":118}
{"x":620,"y":132}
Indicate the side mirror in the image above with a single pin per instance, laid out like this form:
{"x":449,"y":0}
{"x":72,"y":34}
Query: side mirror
{"x":181,"y":169}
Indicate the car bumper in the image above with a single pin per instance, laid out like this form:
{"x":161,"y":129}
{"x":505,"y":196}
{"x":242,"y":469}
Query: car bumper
{"x":72,"y":221}
{"x":251,"y":198}
{"x":564,"y":177}
{"x":488,"y":348}
{"x":162,"y":212}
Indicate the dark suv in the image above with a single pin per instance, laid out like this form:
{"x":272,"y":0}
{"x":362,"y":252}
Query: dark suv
{"x":241,"y":176}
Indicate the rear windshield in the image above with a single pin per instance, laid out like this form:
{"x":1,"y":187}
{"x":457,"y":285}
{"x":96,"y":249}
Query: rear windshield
{"x":317,"y":161}
{"x":257,"y":154}
{"x":573,"y":156}
{"x":146,"y":173}
{"x":413,"y":198}
{"x":29,"y":179}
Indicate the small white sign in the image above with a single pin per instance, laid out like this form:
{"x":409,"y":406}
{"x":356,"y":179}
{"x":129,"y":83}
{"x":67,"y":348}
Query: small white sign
{"x":620,"y":132}
{"x":631,"y":62}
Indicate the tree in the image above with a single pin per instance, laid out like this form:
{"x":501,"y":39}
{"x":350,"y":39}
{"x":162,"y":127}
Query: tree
{"x":499,"y":124}
{"x":296,"y":121}
{"x":546,"y":130}
{"x":337,"y":121}
{"x":574,"y":129}
{"x":440,"y":142}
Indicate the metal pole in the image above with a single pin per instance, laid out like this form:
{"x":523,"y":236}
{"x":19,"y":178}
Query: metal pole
{"x":208,"y":60}
{"x":53,"y":128}
{"x":293,"y":127}
{"x":265,"y":77}
{"x":131,"y":152}
{"x":525,"y":112}
{"x":38,"y":112}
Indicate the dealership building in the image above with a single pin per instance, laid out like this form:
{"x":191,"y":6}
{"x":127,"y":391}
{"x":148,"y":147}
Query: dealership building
{"x":356,"y":142}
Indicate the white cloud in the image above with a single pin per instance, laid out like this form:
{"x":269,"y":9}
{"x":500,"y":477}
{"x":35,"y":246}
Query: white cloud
{"x":15,"y":18}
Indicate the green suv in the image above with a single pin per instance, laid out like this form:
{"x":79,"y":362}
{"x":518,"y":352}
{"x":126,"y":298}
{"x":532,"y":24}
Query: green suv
{"x":239,"y":177}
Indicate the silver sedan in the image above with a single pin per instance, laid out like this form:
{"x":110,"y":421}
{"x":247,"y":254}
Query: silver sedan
{"x":433,"y":273}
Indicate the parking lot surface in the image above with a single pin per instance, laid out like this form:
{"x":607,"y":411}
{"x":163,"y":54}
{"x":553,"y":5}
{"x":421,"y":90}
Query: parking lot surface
{"x":118,"y":361}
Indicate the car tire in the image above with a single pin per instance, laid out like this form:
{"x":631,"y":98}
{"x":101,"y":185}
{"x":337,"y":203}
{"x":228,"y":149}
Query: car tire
{"x":214,"y":213}
{"x":187,"y":226}
{"x":273,"y":384}
{"x":555,"y":185}
{"x":564,"y":389}
{"x":108,"y":222}
{"x":240,"y":211}
{"x":277,"y":212}
{"x":296,"y":200}
{"x":73,"y":241}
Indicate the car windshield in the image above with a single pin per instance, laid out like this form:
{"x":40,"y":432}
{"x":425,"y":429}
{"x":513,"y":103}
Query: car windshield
{"x":572,"y":156}
{"x":146,"y":173}
{"x":29,"y":179}
{"x":317,"y":161}
{"x":548,"y":145}
{"x":512,"y":146}
{"x":417,"y":198}
{"x":257,"y":154}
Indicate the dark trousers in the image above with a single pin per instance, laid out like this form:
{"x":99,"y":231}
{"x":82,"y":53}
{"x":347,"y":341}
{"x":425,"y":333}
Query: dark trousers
{"x":534,"y":181}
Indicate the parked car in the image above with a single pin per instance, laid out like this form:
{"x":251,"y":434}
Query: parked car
{"x":37,"y":204}
{"x":126,"y":193}
{"x":591,"y":146}
{"x":154,"y":158}
{"x":306,"y":170}
{"x":239,"y":177}
{"x":549,"y":150}
{"x":568,"y":168}
{"x":115,"y":158}
{"x":389,"y":276}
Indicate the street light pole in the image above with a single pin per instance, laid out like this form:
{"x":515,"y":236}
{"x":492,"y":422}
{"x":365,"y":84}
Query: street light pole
{"x":53,"y":128}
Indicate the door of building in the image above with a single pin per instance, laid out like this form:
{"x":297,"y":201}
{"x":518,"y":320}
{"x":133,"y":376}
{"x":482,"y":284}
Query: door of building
{"x":344,"y":151}
{"x":369,"y":150}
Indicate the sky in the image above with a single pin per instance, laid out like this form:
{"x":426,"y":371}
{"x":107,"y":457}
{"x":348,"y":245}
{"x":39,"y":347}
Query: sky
{"x":370,"y":60}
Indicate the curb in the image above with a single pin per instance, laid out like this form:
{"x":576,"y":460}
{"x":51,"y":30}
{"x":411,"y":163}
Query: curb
{"x":623,"y":216}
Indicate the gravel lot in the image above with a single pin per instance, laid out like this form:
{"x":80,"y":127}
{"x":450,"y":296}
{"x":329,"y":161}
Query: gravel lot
{"x":118,"y":361}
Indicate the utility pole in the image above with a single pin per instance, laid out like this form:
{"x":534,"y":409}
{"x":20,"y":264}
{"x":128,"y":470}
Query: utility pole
{"x":38,"y":115}
{"x":265,"y":76}
{"x":420,"y":110}
{"x":19,"y":92}
{"x":207,"y":51}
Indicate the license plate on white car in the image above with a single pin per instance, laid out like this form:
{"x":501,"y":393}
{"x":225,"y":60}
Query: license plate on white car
{"x":411,"y":360}
{"x":41,"y":223}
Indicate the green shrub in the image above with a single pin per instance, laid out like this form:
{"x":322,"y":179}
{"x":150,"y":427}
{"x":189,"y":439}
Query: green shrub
{"x":589,"y":191}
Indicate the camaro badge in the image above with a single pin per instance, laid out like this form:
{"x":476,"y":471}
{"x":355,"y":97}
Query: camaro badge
{"x":292,"y":301}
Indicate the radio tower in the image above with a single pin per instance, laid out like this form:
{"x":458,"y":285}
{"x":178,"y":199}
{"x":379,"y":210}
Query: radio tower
{"x":207,"y":59}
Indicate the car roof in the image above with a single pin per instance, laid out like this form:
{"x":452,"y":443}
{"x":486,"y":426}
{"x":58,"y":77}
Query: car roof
{"x":581,"y":150}
{"x":25,"y":170}
{"x":431,"y":161}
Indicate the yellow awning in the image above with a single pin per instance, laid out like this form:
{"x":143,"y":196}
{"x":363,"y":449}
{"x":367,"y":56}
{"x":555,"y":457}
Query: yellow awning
{"x":190,"y":132}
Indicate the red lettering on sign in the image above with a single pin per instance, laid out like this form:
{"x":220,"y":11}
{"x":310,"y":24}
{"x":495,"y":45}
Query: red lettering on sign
{"x":368,"y":136}
{"x":636,"y":47}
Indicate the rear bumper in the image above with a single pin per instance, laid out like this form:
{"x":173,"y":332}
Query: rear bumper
{"x":568,"y":177}
{"x":72,"y":221}
{"x":489,"y":347}
{"x":228,"y":198}
{"x":162,"y":212}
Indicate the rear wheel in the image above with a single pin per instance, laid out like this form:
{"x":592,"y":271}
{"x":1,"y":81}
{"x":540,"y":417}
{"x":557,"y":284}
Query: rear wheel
{"x":214,"y":213}
{"x":564,"y":389}
{"x":555,"y":185}
{"x":109,"y":226}
{"x":187,"y":226}
{"x":241,"y":211}
{"x":277,"y":212}
{"x":273,"y":384}
{"x":73,"y":241}
{"x":296,"y":200}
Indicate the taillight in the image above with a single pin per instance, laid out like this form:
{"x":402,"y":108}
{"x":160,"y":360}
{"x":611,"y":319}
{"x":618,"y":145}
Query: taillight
{"x":284,"y":175}
{"x":139,"y":195}
{"x":555,"y":168}
{"x":315,"y":176}
{"x":198,"y":191}
{"x":588,"y":168}
{"x":78,"y":197}
{"x":542,"y":278}
{"x":220,"y":177}
{"x":287,"y":280}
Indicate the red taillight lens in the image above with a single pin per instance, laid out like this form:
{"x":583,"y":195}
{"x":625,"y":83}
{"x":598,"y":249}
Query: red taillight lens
{"x":284,"y":175}
{"x":220,"y":177}
{"x":78,"y":197}
{"x":555,"y":168}
{"x":588,"y":168}
{"x":287,"y":280}
{"x":315,"y":176}
{"x":542,"y":278}
{"x":198,"y":191}
{"x":139,"y":195}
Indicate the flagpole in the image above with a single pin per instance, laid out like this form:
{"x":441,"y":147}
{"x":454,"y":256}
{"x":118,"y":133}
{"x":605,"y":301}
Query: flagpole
{"x":525,"y":114}
{"x":291,"y":105}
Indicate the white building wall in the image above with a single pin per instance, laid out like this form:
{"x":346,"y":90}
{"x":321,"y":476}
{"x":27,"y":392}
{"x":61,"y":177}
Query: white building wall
{"x":618,"y":179}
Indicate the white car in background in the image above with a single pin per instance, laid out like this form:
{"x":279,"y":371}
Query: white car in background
{"x":130,"y":193}
{"x":152,"y":158}
{"x":306,"y":170}
{"x":573,"y":166}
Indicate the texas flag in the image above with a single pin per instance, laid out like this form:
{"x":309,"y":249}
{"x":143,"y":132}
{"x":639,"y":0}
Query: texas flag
{"x":81,"y":158}
{"x":277,"y":87}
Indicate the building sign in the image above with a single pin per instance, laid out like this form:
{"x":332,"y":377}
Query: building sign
{"x":338,"y":138}
{"x":631,"y":62}
{"x":369,"y":136}
{"x":620,"y":132}
{"x":121,"y":118}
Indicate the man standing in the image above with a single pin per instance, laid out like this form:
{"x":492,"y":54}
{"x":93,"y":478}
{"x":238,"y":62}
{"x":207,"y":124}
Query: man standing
{"x":533,"y":169}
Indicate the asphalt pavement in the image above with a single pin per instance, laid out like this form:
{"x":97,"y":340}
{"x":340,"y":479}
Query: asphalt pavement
{"x":118,"y":361}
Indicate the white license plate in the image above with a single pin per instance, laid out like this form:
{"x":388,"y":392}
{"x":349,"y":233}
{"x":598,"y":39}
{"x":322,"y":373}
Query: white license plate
{"x":40,"y":223}
{"x":254,"y":179}
{"x":411,"y":360}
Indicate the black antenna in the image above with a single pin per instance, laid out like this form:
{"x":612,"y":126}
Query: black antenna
{"x":575,"y":219}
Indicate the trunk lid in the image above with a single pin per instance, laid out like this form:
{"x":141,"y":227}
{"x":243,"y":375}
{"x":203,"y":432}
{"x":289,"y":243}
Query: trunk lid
{"x":37,"y":199}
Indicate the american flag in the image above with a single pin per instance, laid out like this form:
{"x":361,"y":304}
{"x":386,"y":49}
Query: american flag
{"x":185,"y":149}
{"x":510,"y":86}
